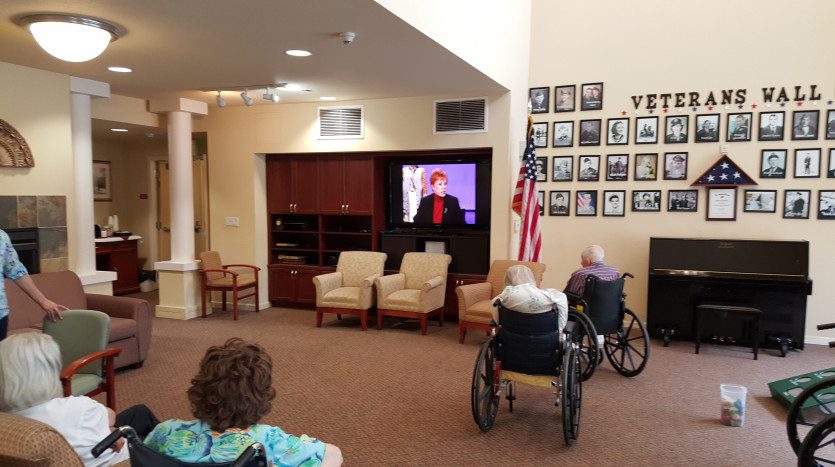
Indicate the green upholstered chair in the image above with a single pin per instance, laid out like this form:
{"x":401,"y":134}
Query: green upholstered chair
{"x":88,"y":363}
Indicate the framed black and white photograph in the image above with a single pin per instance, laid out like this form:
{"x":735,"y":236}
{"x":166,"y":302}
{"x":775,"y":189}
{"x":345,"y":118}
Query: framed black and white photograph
{"x":563,"y":134}
{"x":590,"y":132}
{"x":807,"y":163}
{"x":539,"y":131}
{"x":826,"y":204}
{"x":586,"y":203}
{"x":541,"y":169}
{"x":646,"y":200}
{"x":805,"y":124}
{"x":675,"y":129}
{"x":563,"y":168}
{"x":102,"y":187}
{"x":739,"y":126}
{"x":830,"y":124}
{"x":831,"y":166}
{"x":721,"y":204}
{"x":646,"y":167}
{"x":564,"y":98}
{"x":588,"y":168}
{"x":707,"y":128}
{"x":559,"y":205}
{"x":614,"y":203}
{"x":772,"y":126}
{"x":796,"y":204}
{"x":540,"y":195}
{"x":773,"y":163}
{"x":618,"y":131}
{"x":675,"y":166}
{"x":682,"y":200}
{"x":617,"y":167}
{"x":646,"y":130}
{"x":539,"y":100}
{"x":760,"y":201}
{"x":592,"y":96}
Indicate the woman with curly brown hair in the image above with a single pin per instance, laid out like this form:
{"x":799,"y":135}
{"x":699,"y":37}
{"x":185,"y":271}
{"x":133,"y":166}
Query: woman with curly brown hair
{"x":231,"y":392}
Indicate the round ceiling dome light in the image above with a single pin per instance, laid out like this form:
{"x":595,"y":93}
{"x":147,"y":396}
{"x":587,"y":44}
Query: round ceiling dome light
{"x":298,"y":53}
{"x":70,"y":38}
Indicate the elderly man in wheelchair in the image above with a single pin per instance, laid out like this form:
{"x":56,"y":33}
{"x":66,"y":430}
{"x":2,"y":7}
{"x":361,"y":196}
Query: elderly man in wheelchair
{"x":530,"y":344}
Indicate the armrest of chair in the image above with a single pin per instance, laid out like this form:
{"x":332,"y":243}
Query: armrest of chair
{"x":368,"y":281}
{"x":470,"y":294}
{"x":67,"y":373}
{"x":128,"y":308}
{"x":254,"y":268}
{"x":326,"y":282}
{"x":436,"y":281}
{"x":222,"y":271}
{"x":386,"y":285}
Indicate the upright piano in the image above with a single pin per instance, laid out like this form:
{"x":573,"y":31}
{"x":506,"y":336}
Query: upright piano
{"x":770,"y":275}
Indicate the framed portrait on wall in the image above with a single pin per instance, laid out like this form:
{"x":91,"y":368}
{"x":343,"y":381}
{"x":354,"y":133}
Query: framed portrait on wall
{"x":590,"y":132}
{"x":831,"y":165}
{"x":646,"y":167}
{"x":586,"y":203}
{"x":805,"y":124}
{"x":563,"y":134}
{"x":826,"y":204}
{"x":592,"y":96}
{"x":563,"y":168}
{"x":830,"y":124}
{"x":773,"y":163}
{"x":559,"y":205}
{"x":676,"y":129}
{"x":721,"y":204}
{"x":618,"y":131}
{"x":539,"y":100}
{"x":760,"y":201}
{"x":541,"y":169}
{"x":614,"y":202}
{"x":796,"y":204}
{"x":102,"y":187}
{"x":682,"y":200}
{"x":564,"y":98}
{"x":707,"y":128}
{"x":539,"y":131}
{"x":588,"y":168}
{"x":772,"y":126}
{"x":646,"y":200}
{"x":739,"y":126}
{"x":675,"y":166}
{"x":646,"y":130}
{"x":540,"y":195}
{"x":807,"y":163}
{"x":617,"y":167}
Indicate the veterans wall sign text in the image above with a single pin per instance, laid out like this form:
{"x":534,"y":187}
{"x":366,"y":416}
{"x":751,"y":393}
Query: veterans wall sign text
{"x":725,"y":97}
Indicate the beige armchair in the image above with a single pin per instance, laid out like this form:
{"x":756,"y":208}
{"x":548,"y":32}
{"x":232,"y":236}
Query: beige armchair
{"x":417,"y":292}
{"x":475,"y":301}
{"x":349,"y":290}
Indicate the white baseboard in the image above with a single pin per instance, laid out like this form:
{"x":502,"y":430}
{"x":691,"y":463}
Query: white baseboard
{"x":818,"y":340}
{"x":242,"y":306}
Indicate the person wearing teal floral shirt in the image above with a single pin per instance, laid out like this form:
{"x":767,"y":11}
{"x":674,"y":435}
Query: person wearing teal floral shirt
{"x":231,"y":392}
{"x":12,"y":268}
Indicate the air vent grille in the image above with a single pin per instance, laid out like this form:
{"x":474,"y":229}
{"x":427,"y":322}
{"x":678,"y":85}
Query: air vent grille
{"x":341,"y":122}
{"x":456,"y":116}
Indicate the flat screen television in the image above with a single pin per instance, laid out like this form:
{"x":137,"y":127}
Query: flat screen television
{"x":435,"y":193}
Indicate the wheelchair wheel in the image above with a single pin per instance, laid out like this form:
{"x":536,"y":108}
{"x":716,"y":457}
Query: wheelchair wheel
{"x":484,"y":396}
{"x":628,"y":353}
{"x":801,"y":420}
{"x":585,"y":336}
{"x":571,"y":394}
{"x":819,"y":446}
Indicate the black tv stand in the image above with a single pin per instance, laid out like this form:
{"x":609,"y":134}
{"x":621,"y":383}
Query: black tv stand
{"x":470,"y":249}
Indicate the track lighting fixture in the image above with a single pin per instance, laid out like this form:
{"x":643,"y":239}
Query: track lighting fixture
{"x":271,"y":96}
{"x":246,"y":98}
{"x":221,"y":102}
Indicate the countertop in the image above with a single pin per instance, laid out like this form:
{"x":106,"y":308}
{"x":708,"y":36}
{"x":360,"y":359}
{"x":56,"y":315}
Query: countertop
{"x":117,"y":239}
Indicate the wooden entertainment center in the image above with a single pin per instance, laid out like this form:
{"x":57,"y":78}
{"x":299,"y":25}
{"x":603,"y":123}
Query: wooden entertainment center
{"x":321,"y":204}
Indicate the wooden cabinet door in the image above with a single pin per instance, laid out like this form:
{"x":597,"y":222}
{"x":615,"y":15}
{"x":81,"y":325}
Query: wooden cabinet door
{"x":282,"y":284}
{"x":332,"y":193}
{"x":306,"y":185}
{"x":124,"y":261}
{"x":305,"y":290}
{"x":359,"y":185}
{"x":279,"y":186}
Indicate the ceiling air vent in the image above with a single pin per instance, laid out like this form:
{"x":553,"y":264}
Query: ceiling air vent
{"x":461,"y":116}
{"x":341,"y":122}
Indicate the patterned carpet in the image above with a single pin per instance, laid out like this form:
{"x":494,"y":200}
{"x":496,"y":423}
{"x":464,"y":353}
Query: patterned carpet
{"x":396,"y":397}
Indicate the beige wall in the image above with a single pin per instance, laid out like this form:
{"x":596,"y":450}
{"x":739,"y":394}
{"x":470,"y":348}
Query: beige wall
{"x":673,"y":47}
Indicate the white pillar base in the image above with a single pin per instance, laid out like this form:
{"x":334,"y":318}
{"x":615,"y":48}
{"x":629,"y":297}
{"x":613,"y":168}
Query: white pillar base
{"x":99,"y":282}
{"x":179,"y":294}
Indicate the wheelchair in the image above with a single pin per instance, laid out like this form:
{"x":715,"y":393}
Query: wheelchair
{"x":602,"y":311}
{"x":143,"y":456}
{"x":527,"y":348}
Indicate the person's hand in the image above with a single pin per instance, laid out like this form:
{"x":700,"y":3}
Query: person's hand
{"x":53,"y":310}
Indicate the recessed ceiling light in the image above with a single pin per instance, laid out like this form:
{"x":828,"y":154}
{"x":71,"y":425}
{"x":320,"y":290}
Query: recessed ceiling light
{"x":298,"y":53}
{"x":119,"y":69}
{"x":119,"y":130}
{"x":292,"y":87}
{"x":328,"y":98}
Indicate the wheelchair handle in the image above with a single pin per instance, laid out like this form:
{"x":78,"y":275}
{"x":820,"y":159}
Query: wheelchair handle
{"x":105,"y":444}
{"x":627,"y":274}
{"x":248,"y":454}
{"x":821,"y":327}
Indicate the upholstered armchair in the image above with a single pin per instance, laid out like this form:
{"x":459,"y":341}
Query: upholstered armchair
{"x":349,"y":290}
{"x":417,"y":292}
{"x":475,"y":301}
{"x":28,"y":442}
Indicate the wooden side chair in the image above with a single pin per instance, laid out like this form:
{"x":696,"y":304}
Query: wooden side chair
{"x":218,"y":277}
{"x":349,"y":290}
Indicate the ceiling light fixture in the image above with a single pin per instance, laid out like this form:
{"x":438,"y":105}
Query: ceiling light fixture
{"x":119,"y":69}
{"x":271,"y":96}
{"x":221,"y":102}
{"x":298,"y":53}
{"x":246,"y":98}
{"x":119,"y":130}
{"x":70,"y":38}
{"x":327,"y":98}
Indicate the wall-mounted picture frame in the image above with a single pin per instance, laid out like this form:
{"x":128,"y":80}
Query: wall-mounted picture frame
{"x":739,"y":127}
{"x":542,"y":169}
{"x":617,"y":167}
{"x":773,"y":163}
{"x":675,"y":166}
{"x":559,"y":203}
{"x":807,"y":163}
{"x":592,"y":96}
{"x":707,"y":128}
{"x":614,"y":203}
{"x":805,"y":124}
{"x":539,"y":132}
{"x":772,"y":126}
{"x":586,"y":203}
{"x":563,"y":134}
{"x":590,"y":132}
{"x":721,"y":204}
{"x":565,"y":98}
{"x":760,"y":201}
{"x":830,"y":124}
{"x":562,"y":168}
{"x":826,"y":204}
{"x":646,"y":130}
{"x":831,"y":165}
{"x":646,"y":167}
{"x":102,"y":183}
{"x":646,"y":200}
{"x":618,"y":131}
{"x":796,"y":204}
{"x":588,"y":168}
{"x":682,"y":200}
{"x":540,"y":195}
{"x":539,"y":100}
{"x":676,"y":129}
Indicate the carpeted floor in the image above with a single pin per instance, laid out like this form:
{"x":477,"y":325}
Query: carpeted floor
{"x":396,"y":397}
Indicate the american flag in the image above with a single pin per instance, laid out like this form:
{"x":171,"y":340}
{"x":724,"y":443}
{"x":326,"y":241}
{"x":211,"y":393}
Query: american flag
{"x":526,"y":204}
{"x":724,"y":173}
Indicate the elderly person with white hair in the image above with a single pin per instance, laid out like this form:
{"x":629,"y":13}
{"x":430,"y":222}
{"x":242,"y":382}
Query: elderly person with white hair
{"x":30,"y":386}
{"x":522,"y":295}
{"x":592,"y":261}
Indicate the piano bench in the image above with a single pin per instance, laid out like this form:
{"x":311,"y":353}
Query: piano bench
{"x":722,"y":310}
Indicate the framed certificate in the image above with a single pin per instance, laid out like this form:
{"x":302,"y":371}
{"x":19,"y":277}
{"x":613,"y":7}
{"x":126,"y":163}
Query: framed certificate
{"x":721,"y":204}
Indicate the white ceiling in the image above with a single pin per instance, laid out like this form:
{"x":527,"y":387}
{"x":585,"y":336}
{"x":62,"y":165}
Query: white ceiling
{"x":182,"y":47}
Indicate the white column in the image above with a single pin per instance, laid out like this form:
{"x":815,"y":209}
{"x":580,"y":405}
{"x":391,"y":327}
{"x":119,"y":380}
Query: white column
{"x":181,"y":187}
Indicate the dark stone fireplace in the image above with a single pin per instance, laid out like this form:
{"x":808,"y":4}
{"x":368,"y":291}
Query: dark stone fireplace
{"x":25,"y":242}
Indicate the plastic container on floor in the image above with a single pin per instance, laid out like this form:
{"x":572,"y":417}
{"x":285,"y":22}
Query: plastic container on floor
{"x":733,"y":404}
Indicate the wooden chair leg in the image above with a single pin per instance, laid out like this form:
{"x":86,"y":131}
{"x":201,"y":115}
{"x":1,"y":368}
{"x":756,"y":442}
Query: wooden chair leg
{"x":441,"y":318}
{"x":257,"y":302}
{"x":203,"y":298}
{"x":462,"y":333}
{"x":224,"y":300}
{"x":423,"y":324}
{"x":338,"y":316}
{"x":379,"y":319}
{"x":235,"y":303}
{"x":319,"y":316}
{"x":363,"y":318}
{"x":111,"y":384}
